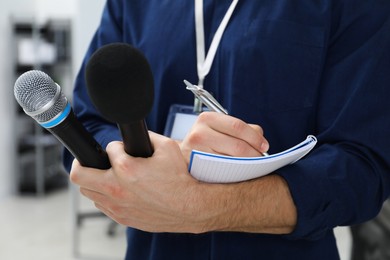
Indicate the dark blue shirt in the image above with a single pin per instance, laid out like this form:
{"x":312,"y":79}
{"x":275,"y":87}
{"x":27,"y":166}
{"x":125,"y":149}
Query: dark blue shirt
{"x":295,"y":67}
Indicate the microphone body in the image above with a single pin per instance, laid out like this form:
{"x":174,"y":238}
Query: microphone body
{"x":120,"y":85}
{"x":42,"y":99}
{"x":136,"y":139}
{"x":80,"y":143}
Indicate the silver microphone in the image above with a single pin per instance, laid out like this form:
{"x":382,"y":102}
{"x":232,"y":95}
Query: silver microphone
{"x":42,"y":99}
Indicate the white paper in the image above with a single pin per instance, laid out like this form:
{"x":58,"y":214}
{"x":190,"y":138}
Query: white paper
{"x":182,"y":125}
{"x":215,"y":168}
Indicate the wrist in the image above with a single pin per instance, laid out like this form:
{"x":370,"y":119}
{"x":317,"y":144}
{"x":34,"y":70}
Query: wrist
{"x":211,"y":210}
{"x":259,"y":206}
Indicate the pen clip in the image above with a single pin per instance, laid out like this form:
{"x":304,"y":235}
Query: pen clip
{"x":206,"y":98}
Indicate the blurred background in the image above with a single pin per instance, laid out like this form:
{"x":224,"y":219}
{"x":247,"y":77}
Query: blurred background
{"x":42,"y":216}
{"x":50,"y":35}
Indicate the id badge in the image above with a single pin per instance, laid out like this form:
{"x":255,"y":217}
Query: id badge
{"x":179,"y":121}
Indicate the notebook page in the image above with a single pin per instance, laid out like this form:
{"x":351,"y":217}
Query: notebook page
{"x":215,"y":168}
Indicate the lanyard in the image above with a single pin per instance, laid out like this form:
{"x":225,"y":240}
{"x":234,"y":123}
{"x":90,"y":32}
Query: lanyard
{"x":204,"y":61}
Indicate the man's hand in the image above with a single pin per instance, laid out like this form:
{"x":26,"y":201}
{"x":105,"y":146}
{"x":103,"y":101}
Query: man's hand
{"x":150,"y":194}
{"x":157,"y":194}
{"x":223,"y":134}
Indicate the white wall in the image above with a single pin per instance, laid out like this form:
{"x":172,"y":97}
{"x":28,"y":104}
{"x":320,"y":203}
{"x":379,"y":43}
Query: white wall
{"x":85,"y":15}
{"x":7,"y":147}
{"x":86,"y":20}
{"x":54,"y":9}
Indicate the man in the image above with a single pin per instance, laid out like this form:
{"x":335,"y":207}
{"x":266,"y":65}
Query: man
{"x":292,"y":68}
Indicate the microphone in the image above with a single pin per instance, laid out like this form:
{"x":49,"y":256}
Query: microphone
{"x":120,"y":85}
{"x":42,"y":99}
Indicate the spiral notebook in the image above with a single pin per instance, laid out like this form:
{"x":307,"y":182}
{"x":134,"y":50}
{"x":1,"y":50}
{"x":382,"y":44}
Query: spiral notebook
{"x":213,"y":168}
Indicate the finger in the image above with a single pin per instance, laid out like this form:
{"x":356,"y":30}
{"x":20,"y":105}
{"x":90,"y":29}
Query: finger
{"x":102,"y":202}
{"x":205,"y":139}
{"x":95,"y":196}
{"x":164,"y":145}
{"x":112,"y":215}
{"x":122,"y":163}
{"x":89,"y":178}
{"x":231,"y":146}
{"x":116,"y":150}
{"x":257,"y":128}
{"x":265,"y":145}
{"x":105,"y":211}
{"x":161,"y":140}
{"x":235,"y":128}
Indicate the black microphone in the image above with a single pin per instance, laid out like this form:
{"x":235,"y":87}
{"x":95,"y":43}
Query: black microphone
{"x":120,"y":85}
{"x":42,"y":99}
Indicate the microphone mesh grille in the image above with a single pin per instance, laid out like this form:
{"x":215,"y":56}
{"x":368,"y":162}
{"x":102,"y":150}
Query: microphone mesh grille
{"x":35,"y":89}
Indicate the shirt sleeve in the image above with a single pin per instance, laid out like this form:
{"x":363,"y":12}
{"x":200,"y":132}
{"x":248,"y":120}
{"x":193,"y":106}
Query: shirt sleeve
{"x":103,"y":131}
{"x":346,"y":178}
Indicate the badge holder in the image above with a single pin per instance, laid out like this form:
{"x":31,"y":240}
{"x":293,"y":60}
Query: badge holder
{"x":181,"y":117}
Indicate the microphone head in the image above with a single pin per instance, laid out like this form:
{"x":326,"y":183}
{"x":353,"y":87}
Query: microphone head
{"x":120,"y":83}
{"x":39,"y":96}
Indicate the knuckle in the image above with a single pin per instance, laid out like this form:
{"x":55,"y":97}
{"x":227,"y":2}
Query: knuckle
{"x":73,"y":176}
{"x":121,"y":163}
{"x":257,"y":128}
{"x":194,"y":138}
{"x":238,"y":126}
{"x":74,"y":172}
{"x":205,"y":117}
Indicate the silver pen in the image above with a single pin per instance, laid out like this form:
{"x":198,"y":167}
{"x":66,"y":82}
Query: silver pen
{"x":206,"y":98}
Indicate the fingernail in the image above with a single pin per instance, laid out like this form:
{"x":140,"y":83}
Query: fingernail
{"x":264,"y":147}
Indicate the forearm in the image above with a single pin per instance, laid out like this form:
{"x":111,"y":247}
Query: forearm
{"x":263,"y":205}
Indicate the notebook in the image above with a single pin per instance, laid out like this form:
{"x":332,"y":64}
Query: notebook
{"x":213,"y":168}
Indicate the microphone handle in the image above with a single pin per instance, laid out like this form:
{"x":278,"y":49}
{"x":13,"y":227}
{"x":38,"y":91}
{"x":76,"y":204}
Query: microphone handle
{"x":80,"y":143}
{"x":136,"y":139}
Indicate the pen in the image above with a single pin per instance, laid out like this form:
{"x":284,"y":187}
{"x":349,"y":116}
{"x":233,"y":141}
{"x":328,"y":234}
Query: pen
{"x":207,"y":99}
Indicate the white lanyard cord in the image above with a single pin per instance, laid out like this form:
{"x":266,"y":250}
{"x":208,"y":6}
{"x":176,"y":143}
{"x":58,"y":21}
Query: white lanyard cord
{"x":204,"y":61}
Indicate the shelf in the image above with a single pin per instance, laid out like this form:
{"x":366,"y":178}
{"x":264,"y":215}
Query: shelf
{"x":27,"y":28}
{"x":38,"y":153}
{"x":29,"y":142}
